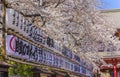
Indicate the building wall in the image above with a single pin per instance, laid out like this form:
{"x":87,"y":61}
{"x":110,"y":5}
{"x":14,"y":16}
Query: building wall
{"x":113,"y":16}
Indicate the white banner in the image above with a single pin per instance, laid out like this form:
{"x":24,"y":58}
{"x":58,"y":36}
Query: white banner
{"x":20,"y":24}
{"x":10,"y":45}
{"x":21,"y":49}
{"x":18,"y":48}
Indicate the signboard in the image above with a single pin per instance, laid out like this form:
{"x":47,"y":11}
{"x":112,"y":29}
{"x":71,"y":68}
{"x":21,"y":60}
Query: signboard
{"x":23,"y":50}
{"x":20,"y":24}
{"x":18,"y":48}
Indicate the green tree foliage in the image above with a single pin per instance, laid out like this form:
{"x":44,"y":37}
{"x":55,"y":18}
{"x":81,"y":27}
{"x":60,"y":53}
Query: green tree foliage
{"x":20,"y":69}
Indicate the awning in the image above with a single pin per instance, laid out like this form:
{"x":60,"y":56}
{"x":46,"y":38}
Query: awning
{"x":108,"y":66}
{"x":73,"y":76}
{"x":39,"y":70}
{"x":118,"y":65}
{"x":60,"y":73}
{"x":67,"y":74}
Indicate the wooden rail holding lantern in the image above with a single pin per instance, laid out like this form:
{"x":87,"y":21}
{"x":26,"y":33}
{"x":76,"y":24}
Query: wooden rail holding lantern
{"x":21,"y":33}
{"x":10,"y":32}
{"x":45,"y":61}
{"x":27,"y":29}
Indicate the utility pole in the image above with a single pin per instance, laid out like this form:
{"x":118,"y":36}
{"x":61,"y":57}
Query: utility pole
{"x":3,"y":15}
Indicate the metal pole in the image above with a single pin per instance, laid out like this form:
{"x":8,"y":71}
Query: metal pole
{"x":3,"y":30}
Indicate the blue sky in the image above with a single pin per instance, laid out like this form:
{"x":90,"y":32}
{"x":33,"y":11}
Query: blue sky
{"x":110,"y":4}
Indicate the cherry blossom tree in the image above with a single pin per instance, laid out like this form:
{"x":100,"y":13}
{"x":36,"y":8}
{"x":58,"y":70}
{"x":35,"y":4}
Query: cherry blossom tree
{"x":77,"y":24}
